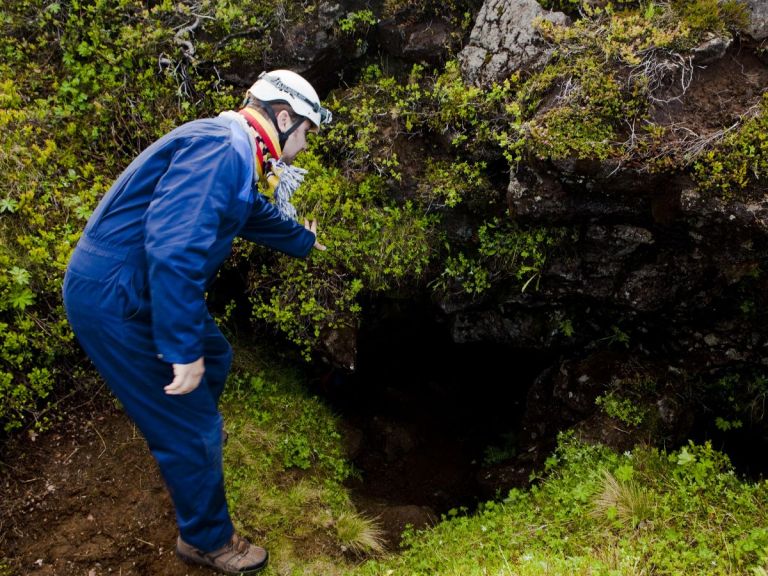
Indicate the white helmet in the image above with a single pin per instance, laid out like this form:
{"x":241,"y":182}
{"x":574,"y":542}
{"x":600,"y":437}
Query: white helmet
{"x":289,"y":87}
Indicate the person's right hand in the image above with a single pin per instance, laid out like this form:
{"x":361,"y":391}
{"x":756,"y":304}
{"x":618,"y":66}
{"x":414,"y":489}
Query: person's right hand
{"x":186,"y":377}
{"x":312,"y":227}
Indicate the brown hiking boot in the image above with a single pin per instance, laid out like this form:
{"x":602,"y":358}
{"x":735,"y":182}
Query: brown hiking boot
{"x":237,"y":557}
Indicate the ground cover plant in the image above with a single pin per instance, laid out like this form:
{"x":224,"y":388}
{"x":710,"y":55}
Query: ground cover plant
{"x":595,"y":512}
{"x":588,"y":511}
{"x":285,"y":470}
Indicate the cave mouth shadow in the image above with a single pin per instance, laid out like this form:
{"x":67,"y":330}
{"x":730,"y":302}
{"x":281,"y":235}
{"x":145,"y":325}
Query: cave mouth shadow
{"x":422,"y":415}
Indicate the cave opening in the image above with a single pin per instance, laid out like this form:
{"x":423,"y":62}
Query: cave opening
{"x":423,"y":416}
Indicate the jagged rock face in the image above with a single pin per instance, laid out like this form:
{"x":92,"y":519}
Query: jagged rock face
{"x":504,"y":40}
{"x":417,"y":40}
{"x":653,"y":266}
{"x":758,"y":24}
{"x":314,"y":47}
{"x":673,"y":269}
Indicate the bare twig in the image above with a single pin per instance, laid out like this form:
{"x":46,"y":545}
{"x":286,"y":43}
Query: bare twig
{"x":104,"y":444}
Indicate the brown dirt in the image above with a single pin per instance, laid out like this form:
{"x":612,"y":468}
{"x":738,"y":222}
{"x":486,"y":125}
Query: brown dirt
{"x":86,"y":498}
{"x":721,"y":95}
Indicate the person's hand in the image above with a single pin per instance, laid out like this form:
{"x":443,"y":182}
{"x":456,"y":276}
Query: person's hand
{"x":186,"y":377}
{"x":312,"y":227}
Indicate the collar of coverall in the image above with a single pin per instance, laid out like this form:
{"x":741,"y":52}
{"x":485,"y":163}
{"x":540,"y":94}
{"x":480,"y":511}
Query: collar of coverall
{"x":267,"y":139}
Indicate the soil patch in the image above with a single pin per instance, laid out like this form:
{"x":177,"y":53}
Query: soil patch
{"x":705,"y":101}
{"x":86,"y":498}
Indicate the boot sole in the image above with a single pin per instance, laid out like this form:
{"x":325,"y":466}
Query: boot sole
{"x":203,"y":562}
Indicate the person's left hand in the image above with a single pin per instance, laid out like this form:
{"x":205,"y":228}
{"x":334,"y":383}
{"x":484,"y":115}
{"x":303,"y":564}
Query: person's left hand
{"x":312,"y":227}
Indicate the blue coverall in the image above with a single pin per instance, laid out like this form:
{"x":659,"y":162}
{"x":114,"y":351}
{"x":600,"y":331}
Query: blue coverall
{"x":134,"y":294}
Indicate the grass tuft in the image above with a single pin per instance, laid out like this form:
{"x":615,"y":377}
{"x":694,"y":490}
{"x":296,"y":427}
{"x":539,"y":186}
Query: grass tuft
{"x":624,"y":502}
{"x":359,"y":534}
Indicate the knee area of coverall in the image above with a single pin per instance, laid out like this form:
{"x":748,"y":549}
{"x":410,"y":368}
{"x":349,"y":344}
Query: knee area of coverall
{"x":200,"y":444}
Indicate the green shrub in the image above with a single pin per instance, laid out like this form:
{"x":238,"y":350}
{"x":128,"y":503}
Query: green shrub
{"x":80,"y":94}
{"x":504,"y":252}
{"x":593,"y":511}
{"x":374,"y":245}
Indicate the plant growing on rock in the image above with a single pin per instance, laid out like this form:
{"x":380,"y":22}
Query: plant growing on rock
{"x":740,"y":160}
{"x":610,"y":70}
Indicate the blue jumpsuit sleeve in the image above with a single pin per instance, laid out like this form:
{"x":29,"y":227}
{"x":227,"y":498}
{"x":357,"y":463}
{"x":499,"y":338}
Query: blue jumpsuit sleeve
{"x":181,"y":225}
{"x":265,"y":226}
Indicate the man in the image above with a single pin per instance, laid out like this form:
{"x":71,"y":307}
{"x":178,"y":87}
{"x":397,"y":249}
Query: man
{"x":135,"y":286}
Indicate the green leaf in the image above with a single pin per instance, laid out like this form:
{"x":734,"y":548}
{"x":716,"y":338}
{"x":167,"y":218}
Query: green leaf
{"x":684,"y":457}
{"x":22,"y":299}
{"x":20,"y":276}
{"x":8,"y":205}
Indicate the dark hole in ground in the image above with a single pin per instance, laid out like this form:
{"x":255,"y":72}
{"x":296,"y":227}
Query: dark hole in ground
{"x":423,"y":415}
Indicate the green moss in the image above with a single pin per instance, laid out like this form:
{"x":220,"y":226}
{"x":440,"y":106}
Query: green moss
{"x":739,"y":161}
{"x":581,"y":6}
{"x":592,"y":100}
{"x":596,"y":512}
{"x":701,"y":16}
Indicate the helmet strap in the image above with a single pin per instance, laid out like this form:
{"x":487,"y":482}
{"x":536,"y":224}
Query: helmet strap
{"x":282,"y":136}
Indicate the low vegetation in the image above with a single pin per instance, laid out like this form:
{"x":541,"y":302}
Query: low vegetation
{"x":589,"y":511}
{"x":285,"y":470}
{"x":595,"y":512}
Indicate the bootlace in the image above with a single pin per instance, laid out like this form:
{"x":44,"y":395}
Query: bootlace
{"x":239,"y":544}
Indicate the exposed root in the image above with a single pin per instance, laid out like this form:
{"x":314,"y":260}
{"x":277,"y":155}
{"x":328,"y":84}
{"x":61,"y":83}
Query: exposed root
{"x":658,"y":70}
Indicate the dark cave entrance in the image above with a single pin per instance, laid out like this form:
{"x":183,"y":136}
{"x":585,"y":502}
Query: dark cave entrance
{"x":423,"y":415}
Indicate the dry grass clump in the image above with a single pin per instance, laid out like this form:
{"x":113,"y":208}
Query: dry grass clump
{"x":359,"y":534}
{"x":624,"y":502}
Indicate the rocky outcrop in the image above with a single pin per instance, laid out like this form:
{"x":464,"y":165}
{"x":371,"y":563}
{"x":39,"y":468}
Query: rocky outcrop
{"x":657,"y":281}
{"x":427,"y":41}
{"x":655,"y":268}
{"x":758,"y":21}
{"x":504,"y":40}
{"x":315,"y":50}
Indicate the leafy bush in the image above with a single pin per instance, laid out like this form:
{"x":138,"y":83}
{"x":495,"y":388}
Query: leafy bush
{"x":504,"y":252}
{"x":80,"y":94}
{"x":382,"y":217}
